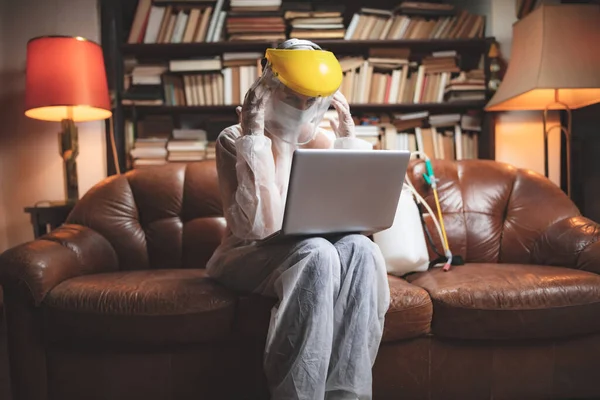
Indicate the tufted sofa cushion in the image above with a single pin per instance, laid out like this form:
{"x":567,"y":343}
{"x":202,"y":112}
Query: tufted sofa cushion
{"x":168,"y":217}
{"x":511,"y":301}
{"x":493,"y":212}
{"x":157,"y":306}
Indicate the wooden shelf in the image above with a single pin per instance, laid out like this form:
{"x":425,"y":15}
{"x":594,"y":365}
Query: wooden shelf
{"x":433,"y":108}
{"x":183,"y":50}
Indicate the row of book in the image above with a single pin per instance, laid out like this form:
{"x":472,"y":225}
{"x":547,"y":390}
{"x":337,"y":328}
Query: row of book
{"x":447,"y":144}
{"x":170,"y":21}
{"x":445,"y":136}
{"x":166,"y":23}
{"x":379,"y":24}
{"x":197,"y":82}
{"x":396,"y":80}
{"x":359,"y":87}
{"x":173,"y":21}
{"x":210,"y":89}
{"x":378,"y":79}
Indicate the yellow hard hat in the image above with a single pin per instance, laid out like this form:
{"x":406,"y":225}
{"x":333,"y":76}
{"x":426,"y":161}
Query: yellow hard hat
{"x":314,"y":73}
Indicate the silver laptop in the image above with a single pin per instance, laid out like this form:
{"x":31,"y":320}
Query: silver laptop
{"x":335,"y":192}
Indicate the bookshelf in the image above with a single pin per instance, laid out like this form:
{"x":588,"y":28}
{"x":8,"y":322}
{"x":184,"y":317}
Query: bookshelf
{"x":117,"y":17}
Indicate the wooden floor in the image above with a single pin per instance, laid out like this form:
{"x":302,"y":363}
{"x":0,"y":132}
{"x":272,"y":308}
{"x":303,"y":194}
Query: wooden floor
{"x":4,"y":380}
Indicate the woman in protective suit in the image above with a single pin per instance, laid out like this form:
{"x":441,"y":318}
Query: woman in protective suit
{"x":326,"y":329}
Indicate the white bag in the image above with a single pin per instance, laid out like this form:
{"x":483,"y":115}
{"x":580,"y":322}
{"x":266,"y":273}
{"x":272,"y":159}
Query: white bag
{"x":403,"y":244}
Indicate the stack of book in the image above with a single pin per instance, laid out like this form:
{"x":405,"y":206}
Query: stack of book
{"x":408,"y":121}
{"x":187,"y":145}
{"x":320,"y":23}
{"x":143,"y":83}
{"x":147,"y":143}
{"x":246,"y":26}
{"x":444,"y":119}
{"x":149,"y":151}
{"x":467,"y":86}
{"x":158,"y":143}
{"x":211,"y":150}
{"x":255,"y":20}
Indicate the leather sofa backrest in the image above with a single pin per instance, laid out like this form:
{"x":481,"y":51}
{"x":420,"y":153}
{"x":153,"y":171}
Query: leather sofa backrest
{"x":171,"y":217}
{"x":167,"y":217}
{"x":493,"y":212}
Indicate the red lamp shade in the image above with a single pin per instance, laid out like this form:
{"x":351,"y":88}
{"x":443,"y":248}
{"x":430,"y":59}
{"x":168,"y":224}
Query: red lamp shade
{"x":66,"y":80}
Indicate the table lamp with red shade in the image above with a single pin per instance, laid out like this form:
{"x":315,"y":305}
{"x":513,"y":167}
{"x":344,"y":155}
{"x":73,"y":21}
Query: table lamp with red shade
{"x":66,"y":82}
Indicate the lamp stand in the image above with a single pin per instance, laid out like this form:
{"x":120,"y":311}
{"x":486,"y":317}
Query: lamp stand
{"x":566,"y":131}
{"x":69,"y":150}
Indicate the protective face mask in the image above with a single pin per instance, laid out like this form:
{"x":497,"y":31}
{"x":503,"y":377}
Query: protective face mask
{"x":289,"y":122}
{"x":287,"y":115}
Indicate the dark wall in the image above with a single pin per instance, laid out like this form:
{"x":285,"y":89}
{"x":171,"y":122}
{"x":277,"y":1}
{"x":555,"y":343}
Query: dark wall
{"x":585,"y":157}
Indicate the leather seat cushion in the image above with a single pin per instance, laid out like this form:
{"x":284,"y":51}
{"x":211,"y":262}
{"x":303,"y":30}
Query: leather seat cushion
{"x":184,"y":306}
{"x":408,"y":316}
{"x":410,"y":312}
{"x":151,"y":306}
{"x":511,"y":301}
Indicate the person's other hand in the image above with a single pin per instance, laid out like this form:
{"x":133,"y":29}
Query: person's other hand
{"x":252,"y":113}
{"x":345,"y":125}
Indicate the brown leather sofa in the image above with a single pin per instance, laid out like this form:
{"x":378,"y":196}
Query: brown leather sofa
{"x":115,"y":304}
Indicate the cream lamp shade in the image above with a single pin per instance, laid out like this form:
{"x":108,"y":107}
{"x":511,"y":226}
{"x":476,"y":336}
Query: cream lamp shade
{"x":555,"y":57}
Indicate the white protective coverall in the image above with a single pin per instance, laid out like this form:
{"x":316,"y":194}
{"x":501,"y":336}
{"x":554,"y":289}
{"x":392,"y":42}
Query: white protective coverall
{"x":333,"y":294}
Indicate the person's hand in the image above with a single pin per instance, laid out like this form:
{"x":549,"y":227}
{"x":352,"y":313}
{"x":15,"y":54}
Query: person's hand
{"x":345,"y":125}
{"x":252,"y":113}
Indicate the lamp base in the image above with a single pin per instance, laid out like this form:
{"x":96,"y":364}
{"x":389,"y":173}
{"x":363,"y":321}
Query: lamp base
{"x":69,"y":150}
{"x":566,"y":130}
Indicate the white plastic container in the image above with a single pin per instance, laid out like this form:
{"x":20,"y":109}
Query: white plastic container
{"x":403,"y":244}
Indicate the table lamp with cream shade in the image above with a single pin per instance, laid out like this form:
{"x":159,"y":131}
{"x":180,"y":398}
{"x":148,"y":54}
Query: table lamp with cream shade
{"x":66,"y":82}
{"x":554,"y":65}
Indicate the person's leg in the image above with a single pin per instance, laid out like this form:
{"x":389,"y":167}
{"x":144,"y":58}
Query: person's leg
{"x":301,"y":331}
{"x":359,"y":311}
{"x":302,"y":275}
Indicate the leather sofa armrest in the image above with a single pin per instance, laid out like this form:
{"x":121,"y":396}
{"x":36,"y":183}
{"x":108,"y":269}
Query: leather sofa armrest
{"x":38,"y":266}
{"x":572,"y":242}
